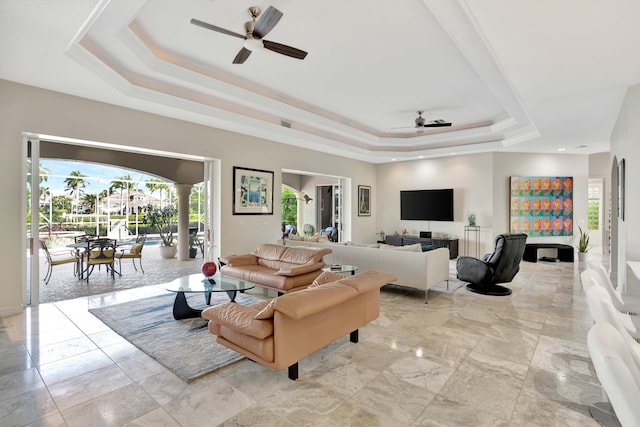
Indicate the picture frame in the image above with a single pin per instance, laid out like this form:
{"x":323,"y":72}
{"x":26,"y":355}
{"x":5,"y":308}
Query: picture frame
{"x":364,"y":200}
{"x":541,"y":206}
{"x":622,"y":188}
{"x":252,"y":191}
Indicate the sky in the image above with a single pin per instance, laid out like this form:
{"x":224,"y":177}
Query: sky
{"x":99,"y":177}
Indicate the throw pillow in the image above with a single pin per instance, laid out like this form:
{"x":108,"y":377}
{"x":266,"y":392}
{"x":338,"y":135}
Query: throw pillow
{"x":417,"y":247}
{"x":326,"y":277}
{"x":136,"y":248}
{"x":363,"y":245}
{"x":427,"y":248}
{"x":295,"y":237}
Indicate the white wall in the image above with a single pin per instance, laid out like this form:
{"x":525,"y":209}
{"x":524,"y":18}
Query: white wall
{"x":625,"y":144}
{"x":481,"y":184}
{"x":29,"y":109}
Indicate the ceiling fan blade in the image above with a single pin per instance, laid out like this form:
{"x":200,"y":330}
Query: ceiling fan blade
{"x":436,"y":124}
{"x":266,"y":22}
{"x":242,"y":56}
{"x":217,"y":29}
{"x":284,"y":49}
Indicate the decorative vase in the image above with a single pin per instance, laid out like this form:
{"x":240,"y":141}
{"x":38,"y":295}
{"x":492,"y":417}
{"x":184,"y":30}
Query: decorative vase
{"x":168,"y":252}
{"x":583,"y":256}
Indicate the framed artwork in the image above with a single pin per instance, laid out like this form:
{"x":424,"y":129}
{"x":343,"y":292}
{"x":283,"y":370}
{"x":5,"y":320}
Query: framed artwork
{"x":541,"y":205}
{"x":252,"y":191}
{"x":621,"y":189}
{"x":364,"y":200}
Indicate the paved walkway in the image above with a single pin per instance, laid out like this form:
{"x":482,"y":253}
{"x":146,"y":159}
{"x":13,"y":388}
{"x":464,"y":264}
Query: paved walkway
{"x":64,"y":285}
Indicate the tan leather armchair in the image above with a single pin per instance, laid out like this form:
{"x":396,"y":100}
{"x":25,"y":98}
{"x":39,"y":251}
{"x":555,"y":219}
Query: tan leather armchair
{"x":280,"y":332}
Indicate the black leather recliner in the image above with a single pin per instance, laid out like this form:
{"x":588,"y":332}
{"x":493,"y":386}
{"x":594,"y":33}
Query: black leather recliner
{"x":500,"y":266}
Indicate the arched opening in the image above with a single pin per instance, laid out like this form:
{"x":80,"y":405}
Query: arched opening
{"x":187,"y":172}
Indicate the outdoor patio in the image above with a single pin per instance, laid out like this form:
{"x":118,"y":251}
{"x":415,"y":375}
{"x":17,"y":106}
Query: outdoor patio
{"x":64,"y":285}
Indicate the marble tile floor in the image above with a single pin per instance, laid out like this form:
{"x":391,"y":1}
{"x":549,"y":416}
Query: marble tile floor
{"x":462,"y":360}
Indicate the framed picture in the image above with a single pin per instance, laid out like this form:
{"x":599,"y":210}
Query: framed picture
{"x":252,"y":191}
{"x":621,"y":189}
{"x":364,"y":200}
{"x":541,"y":206}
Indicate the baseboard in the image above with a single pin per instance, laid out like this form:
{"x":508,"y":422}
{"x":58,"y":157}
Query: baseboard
{"x":10,"y":311}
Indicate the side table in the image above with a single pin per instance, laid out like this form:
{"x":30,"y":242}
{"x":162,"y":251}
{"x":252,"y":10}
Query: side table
{"x":472,"y":231}
{"x":341,"y":269}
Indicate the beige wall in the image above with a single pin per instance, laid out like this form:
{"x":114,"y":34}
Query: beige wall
{"x":470,"y":176}
{"x":481,"y":184}
{"x":29,"y":109}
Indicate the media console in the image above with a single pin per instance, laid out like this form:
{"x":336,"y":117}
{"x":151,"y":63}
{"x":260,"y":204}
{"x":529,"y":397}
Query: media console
{"x":451,"y":244}
{"x":565,"y":252}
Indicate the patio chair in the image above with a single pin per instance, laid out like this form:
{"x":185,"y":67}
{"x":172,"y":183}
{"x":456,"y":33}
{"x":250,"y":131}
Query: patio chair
{"x":80,"y":252}
{"x":100,"y":252}
{"x":132,"y":253}
{"x":57,"y":259}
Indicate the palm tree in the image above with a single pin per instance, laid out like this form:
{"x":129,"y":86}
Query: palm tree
{"x":74,"y":183}
{"x":155,"y":184}
{"x":121,"y":183}
{"x":44,"y":177}
{"x":90,"y":200}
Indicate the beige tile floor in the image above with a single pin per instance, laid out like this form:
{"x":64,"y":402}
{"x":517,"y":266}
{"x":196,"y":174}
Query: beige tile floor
{"x":462,"y":360}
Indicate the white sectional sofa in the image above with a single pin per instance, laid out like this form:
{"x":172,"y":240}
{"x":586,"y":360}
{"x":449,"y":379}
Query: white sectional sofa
{"x":420,"y":270}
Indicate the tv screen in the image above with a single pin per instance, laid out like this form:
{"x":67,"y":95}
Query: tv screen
{"x":427,"y":205}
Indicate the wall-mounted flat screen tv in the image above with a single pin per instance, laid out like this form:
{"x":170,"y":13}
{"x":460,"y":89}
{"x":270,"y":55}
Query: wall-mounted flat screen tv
{"x":426,"y":205}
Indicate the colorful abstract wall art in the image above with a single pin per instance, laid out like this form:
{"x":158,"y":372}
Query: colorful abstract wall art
{"x":542,"y":205}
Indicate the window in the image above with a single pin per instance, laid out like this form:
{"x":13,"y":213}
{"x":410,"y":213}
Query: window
{"x":594,"y":206}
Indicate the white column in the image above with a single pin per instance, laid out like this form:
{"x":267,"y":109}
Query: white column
{"x":183,"y":190}
{"x":300,"y":212}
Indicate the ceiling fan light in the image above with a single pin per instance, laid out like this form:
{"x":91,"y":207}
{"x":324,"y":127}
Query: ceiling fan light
{"x":252,"y":44}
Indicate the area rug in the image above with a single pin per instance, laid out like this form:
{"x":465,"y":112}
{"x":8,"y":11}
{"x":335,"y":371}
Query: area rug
{"x":185,"y":347}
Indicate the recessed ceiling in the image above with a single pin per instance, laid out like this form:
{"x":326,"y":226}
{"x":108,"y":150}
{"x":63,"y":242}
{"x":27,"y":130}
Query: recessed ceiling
{"x":509,"y":76}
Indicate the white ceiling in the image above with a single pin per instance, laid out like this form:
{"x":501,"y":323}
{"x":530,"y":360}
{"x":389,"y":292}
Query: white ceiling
{"x":512,"y":75}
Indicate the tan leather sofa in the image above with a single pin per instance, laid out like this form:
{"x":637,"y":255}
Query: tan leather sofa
{"x":280,"y":268}
{"x":280,"y":332}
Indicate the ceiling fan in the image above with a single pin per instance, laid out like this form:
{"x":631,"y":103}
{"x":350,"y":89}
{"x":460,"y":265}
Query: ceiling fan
{"x":422,"y":123}
{"x":256,"y":30}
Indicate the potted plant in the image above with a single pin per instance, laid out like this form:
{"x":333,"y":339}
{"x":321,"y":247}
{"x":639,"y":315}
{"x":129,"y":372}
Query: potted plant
{"x":163,"y":220}
{"x":193,"y":246}
{"x":472,"y":219}
{"x":583,"y":244}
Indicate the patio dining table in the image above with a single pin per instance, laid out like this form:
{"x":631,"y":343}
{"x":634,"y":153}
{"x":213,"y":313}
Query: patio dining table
{"x":78,"y":246}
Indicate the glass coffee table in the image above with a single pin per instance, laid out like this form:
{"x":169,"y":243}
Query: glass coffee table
{"x":197,"y":283}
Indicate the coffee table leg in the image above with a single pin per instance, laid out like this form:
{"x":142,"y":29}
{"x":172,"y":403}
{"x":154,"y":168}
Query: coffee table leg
{"x":181,"y":309}
{"x":232,"y":295}
{"x":207,"y":297}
